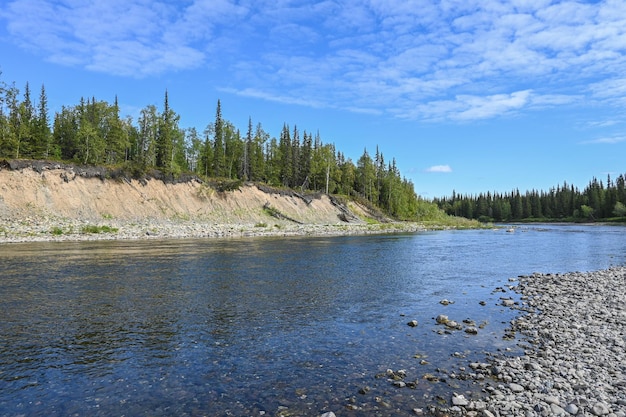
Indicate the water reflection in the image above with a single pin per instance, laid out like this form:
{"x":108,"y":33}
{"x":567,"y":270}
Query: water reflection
{"x":250,"y":325}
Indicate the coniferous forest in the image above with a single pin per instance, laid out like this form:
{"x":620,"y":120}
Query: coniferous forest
{"x":92,"y":132}
{"x":598,"y":201}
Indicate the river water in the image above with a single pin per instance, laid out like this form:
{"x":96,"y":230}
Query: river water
{"x":265,"y":326}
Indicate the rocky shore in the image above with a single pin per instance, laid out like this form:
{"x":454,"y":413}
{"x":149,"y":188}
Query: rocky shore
{"x":573,"y":330}
{"x":46,"y":229}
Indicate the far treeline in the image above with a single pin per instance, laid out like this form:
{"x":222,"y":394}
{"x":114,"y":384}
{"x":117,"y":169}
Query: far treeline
{"x":92,"y":132}
{"x":598,"y":201}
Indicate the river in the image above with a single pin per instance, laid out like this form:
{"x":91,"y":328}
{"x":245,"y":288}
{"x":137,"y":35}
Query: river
{"x":265,"y":326}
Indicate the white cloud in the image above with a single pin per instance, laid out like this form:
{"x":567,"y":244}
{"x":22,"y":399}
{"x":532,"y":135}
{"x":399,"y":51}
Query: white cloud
{"x":128,"y":38}
{"x":606,"y":141}
{"x":425,"y":60}
{"x":439,"y":168}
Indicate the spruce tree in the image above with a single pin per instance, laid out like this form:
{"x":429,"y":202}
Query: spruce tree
{"x":164,"y":145}
{"x":219,"y":151}
{"x":42,"y":134}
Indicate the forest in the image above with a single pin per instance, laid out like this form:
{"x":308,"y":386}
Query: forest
{"x":597,"y":201}
{"x":92,"y":132}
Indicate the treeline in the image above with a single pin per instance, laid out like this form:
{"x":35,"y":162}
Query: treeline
{"x":92,"y":132}
{"x":566,"y":202}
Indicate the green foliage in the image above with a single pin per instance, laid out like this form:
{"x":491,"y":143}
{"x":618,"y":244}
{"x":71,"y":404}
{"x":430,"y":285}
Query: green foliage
{"x":223,"y":185}
{"x":586,"y":212}
{"x":562,"y":203}
{"x":57,"y":231}
{"x":93,"y":229}
{"x":619,"y":209}
{"x":93,"y":133}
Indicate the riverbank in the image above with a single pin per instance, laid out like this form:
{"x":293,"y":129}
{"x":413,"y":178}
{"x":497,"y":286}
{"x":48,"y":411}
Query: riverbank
{"x":58,"y":230}
{"x":53,"y":202}
{"x":573,"y":331}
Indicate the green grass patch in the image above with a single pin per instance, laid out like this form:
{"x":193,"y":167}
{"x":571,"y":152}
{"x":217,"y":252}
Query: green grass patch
{"x":56,"y":231}
{"x":90,"y":229}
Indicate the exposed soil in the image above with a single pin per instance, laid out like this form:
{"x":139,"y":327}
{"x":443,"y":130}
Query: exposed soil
{"x":37,"y":189}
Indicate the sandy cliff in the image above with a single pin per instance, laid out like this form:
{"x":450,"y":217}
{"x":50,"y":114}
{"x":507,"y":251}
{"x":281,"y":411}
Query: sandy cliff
{"x":56,"y":191}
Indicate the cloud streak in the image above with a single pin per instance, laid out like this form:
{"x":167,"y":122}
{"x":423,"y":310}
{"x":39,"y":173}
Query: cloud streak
{"x":453,"y":61}
{"x":606,"y":141}
{"x":439,"y":169}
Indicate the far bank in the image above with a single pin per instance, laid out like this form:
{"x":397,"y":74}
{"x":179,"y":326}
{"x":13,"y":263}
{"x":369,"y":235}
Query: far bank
{"x":51,"y":201}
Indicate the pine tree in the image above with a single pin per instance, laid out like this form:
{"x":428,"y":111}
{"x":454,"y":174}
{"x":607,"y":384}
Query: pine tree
{"x":164,"y":139}
{"x":247,"y":151}
{"x":366,"y":177}
{"x":304,"y":163}
{"x":219,"y":151}
{"x":257,"y":157}
{"x":26,"y":125}
{"x":42,"y":134}
{"x":117,"y":142}
{"x":286,"y":161}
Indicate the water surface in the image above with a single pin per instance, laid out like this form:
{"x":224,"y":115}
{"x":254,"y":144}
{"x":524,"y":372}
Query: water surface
{"x":274,"y":326}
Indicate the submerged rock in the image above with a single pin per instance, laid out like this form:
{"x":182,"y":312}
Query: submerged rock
{"x":471,"y":330}
{"x":441,"y":319}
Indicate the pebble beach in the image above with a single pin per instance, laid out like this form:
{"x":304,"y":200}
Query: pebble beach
{"x":573,"y":330}
{"x":50,"y":230}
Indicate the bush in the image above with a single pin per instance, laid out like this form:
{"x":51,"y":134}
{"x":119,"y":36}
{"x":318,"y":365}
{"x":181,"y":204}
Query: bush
{"x":98,"y":229}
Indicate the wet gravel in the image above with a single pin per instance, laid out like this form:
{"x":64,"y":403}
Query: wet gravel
{"x":572,"y":328}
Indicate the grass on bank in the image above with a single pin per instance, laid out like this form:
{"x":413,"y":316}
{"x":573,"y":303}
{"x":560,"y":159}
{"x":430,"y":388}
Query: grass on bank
{"x":88,"y":229}
{"x":91,"y":229}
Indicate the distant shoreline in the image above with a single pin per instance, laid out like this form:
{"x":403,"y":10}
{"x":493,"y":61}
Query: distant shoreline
{"x":53,"y":230}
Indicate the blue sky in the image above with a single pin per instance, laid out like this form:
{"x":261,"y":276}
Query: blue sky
{"x":467,"y":95}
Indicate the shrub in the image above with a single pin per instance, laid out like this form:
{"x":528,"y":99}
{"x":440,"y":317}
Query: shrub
{"x":57,"y":231}
{"x":98,"y":229}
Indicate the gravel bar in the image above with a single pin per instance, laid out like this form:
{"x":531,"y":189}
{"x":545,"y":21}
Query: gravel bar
{"x":38,"y":229}
{"x":573,"y":331}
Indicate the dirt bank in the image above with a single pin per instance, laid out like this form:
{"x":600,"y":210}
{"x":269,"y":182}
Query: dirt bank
{"x":41,"y":199}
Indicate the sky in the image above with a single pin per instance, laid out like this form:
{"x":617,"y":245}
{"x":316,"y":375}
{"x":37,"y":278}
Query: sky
{"x":466,"y":95}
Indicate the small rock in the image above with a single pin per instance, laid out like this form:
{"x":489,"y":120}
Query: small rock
{"x":572,"y":409}
{"x":600,"y":409}
{"x":441,"y":319}
{"x":412,"y":323}
{"x":459,"y":400}
{"x":508,"y":302}
{"x":556,"y":410}
{"x":451,"y":324}
{"x":446,"y":302}
{"x":328,"y":414}
{"x":471,"y":330}
{"x":516,"y":387}
{"x":551,"y":399}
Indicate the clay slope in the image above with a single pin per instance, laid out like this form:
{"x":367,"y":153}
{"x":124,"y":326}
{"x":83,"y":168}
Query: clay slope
{"x":59,"y":192}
